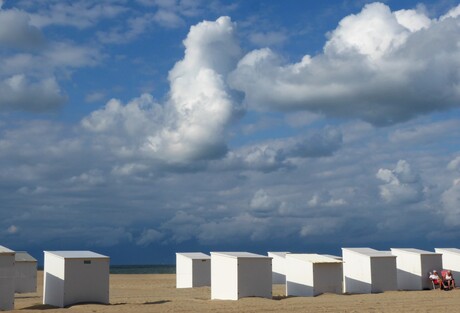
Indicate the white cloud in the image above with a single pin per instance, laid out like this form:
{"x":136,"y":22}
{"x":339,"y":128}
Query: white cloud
{"x":130,"y":169}
{"x":68,"y":55}
{"x":55,"y":58}
{"x":168,"y":19}
{"x":268,"y":39}
{"x":412,"y":20}
{"x":17,"y":32}
{"x":373,"y":32}
{"x":28,"y":74}
{"x":191,"y":125}
{"x":422,"y":133}
{"x":90,"y":178}
{"x":132,"y":30}
{"x":172,"y":13}
{"x":454,"y":165}
{"x":325,"y":199}
{"x":402,"y":184}
{"x":149,"y":236}
{"x":19,"y":93}
{"x":262,"y":202}
{"x":319,"y":226}
{"x":183,"y":226}
{"x":276,"y":154}
{"x":95,"y":96}
{"x":240,"y":227}
{"x":12,"y":229}
{"x":376,"y":66}
{"x":32,"y":191}
{"x":79,"y":14}
{"x":450,"y":200}
{"x":453,"y":13}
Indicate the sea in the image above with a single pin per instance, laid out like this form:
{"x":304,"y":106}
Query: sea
{"x":143,"y":269}
{"x":139,"y":269}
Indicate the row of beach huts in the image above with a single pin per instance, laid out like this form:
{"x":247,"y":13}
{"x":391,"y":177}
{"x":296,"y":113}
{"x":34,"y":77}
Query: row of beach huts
{"x":234,"y":275}
{"x":71,"y":277}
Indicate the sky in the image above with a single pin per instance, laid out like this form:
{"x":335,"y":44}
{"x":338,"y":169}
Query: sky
{"x":142,"y":128}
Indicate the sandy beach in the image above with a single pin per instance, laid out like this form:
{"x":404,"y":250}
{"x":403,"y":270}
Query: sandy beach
{"x":157,"y":293}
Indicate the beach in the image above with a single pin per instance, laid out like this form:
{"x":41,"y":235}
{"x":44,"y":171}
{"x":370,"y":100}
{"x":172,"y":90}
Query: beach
{"x":157,"y":293}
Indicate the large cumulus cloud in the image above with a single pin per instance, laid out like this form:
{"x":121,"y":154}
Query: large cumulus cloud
{"x":191,"y":124}
{"x":380,"y":66}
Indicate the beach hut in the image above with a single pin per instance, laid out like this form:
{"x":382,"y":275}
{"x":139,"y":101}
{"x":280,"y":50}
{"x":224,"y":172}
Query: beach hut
{"x":451,"y":261}
{"x":366,"y":270}
{"x":235,"y":275}
{"x":413,"y":267}
{"x":193,"y":269}
{"x":72,"y":277}
{"x":6,"y":279}
{"x":278,"y":267}
{"x":309,"y":275}
{"x":25,"y":268}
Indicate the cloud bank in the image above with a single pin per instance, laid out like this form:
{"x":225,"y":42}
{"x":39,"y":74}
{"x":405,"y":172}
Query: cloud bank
{"x":183,"y":170}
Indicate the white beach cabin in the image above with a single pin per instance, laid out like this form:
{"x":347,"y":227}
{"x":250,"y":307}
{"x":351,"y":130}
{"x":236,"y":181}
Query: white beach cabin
{"x":451,"y":261}
{"x":72,"y":277}
{"x":193,"y":269}
{"x":6,"y":279}
{"x":413,"y":267}
{"x":25,"y":268}
{"x":236,"y":275}
{"x":278,"y":267}
{"x":309,"y":275}
{"x":366,"y":270}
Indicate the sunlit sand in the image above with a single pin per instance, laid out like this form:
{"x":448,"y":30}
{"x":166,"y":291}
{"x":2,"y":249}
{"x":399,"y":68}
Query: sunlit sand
{"x":158,"y":293}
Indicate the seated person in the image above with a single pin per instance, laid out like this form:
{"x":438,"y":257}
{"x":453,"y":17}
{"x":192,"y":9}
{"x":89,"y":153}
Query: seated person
{"x":450,"y":281}
{"x":437,"y":281}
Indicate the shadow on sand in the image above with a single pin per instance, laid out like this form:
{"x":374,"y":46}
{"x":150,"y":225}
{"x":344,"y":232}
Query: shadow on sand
{"x":40,"y":307}
{"x":158,"y":302}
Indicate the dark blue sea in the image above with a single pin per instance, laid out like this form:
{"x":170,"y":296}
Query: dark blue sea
{"x":143,"y":269}
{"x":138,"y":269}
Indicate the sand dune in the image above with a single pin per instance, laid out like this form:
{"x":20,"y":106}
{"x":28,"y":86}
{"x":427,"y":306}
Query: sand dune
{"x":157,"y":293}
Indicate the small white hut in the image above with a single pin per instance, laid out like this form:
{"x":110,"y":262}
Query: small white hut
{"x":309,"y":275}
{"x":25,"y":272}
{"x":72,"y":277}
{"x":6,"y":279}
{"x":451,"y":261}
{"x":413,"y":267}
{"x":193,"y":269}
{"x":235,"y":275}
{"x":366,"y":270}
{"x":278,"y":267}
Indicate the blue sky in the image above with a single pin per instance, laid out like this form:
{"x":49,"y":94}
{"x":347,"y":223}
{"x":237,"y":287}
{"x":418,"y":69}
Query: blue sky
{"x":142,"y":128}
